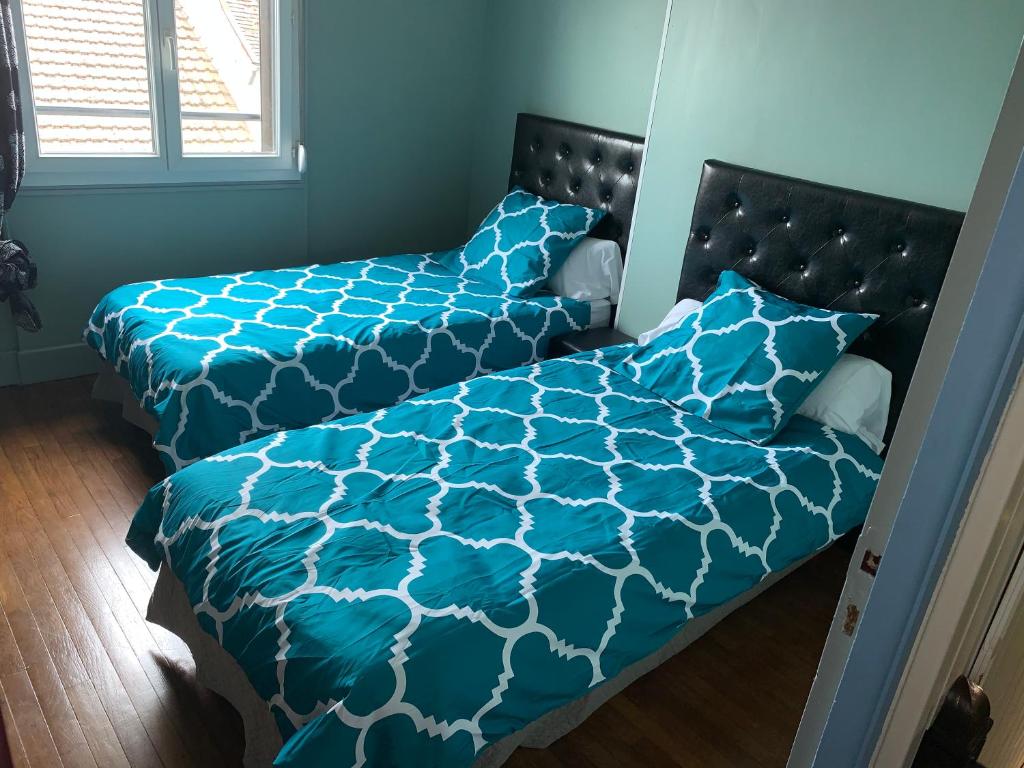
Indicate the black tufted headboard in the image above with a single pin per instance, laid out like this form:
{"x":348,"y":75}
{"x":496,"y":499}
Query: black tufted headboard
{"x":574,"y":163}
{"x":827,"y":247}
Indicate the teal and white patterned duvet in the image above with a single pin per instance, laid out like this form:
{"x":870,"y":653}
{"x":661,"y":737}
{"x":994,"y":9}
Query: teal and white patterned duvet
{"x":219,"y":361}
{"x":407,"y":587}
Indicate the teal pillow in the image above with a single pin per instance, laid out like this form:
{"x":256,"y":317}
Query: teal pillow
{"x":523,"y":242}
{"x":747,"y":359}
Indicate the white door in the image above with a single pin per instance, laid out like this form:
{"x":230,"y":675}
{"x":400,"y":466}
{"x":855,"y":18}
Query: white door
{"x":999,"y":669}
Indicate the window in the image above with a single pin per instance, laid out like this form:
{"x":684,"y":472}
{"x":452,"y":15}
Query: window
{"x":159,"y":91}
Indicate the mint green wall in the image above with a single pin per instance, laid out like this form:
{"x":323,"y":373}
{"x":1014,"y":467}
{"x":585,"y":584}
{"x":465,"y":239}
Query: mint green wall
{"x":590,"y":61}
{"x":892,"y":97}
{"x":390,"y":118}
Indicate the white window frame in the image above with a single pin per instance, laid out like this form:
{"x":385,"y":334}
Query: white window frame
{"x":167,"y":165}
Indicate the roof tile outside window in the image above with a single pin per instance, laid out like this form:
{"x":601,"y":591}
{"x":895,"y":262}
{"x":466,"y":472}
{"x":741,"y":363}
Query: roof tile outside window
{"x":92,"y":55}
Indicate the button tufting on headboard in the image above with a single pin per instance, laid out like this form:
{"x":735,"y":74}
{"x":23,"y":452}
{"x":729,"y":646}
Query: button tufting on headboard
{"x":575,"y":163}
{"x":828,"y":247}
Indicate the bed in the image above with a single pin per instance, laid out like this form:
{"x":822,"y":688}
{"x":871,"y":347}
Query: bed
{"x":478,"y":568}
{"x":204,"y":364}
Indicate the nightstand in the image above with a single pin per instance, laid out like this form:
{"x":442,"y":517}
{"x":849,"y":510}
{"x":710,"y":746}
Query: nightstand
{"x":584,"y":341}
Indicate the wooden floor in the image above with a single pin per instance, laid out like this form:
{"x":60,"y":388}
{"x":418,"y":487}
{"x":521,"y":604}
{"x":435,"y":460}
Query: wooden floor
{"x":85,"y":681}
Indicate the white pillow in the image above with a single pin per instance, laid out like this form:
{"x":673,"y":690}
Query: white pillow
{"x":672,"y":319}
{"x":853,"y":398}
{"x":592,"y":272}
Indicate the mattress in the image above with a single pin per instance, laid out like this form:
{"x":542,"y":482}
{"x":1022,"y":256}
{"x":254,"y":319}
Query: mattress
{"x":412,"y":587}
{"x":219,"y":361}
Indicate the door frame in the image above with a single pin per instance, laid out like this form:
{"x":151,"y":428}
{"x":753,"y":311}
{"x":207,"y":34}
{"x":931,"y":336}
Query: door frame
{"x":963,"y":411}
{"x":969,"y":593}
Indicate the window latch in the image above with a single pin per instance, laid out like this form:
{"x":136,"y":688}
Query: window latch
{"x":170,"y":53}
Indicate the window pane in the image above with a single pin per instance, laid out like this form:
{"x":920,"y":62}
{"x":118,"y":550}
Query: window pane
{"x":220,"y":136}
{"x":222,"y":71}
{"x":85,"y":60}
{"x":94,"y":135}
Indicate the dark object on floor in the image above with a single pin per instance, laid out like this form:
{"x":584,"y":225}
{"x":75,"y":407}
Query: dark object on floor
{"x":5,"y":750}
{"x":958,"y":734}
{"x":18,"y":274}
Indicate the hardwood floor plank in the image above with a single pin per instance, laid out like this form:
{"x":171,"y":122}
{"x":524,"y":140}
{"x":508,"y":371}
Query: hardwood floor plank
{"x":122,"y":582}
{"x":19,"y":757}
{"x":65,"y":671}
{"x":58,"y":444}
{"x":117,"y":701}
{"x":29,"y":721}
{"x":19,"y":614}
{"x":99,"y":731}
{"x":97,"y":696}
{"x":10,"y":656}
{"x":159,"y":653}
{"x":79,"y":502}
{"x":13,"y":423}
{"x":162,"y":703}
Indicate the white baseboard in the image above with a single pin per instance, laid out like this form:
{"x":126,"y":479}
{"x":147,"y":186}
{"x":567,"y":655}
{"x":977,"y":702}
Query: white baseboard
{"x":52,"y":363}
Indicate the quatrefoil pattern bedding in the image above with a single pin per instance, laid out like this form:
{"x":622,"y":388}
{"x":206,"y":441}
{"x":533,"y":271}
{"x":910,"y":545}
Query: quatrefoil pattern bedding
{"x":523,"y":242}
{"x":407,"y":587}
{"x":746,"y":359}
{"x":222,"y":360}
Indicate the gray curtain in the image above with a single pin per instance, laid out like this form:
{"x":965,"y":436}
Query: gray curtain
{"x":17,"y":272}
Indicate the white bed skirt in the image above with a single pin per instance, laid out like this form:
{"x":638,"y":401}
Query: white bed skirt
{"x":218,"y":671}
